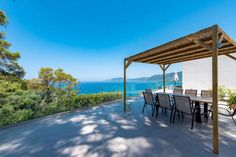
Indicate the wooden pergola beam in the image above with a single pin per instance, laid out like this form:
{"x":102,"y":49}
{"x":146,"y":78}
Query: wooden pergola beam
{"x":176,"y":50}
{"x":193,"y":56}
{"x":193,"y":52}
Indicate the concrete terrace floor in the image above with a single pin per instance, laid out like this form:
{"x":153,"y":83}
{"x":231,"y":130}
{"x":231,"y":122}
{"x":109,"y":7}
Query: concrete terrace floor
{"x":107,"y":131}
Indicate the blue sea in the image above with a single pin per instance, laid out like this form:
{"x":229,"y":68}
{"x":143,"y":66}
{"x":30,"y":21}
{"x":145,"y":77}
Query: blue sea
{"x":133,"y":88}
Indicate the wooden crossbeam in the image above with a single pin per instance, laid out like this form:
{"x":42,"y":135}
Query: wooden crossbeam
{"x":167,"y":67}
{"x":193,"y":58}
{"x":127,"y":63}
{"x":164,"y":67}
{"x":230,"y":56}
{"x":226,"y":37}
{"x":175,"y":50}
{"x":185,"y":53}
{"x":161,"y":66}
{"x":195,"y":54}
{"x":186,"y":50}
{"x":185,"y":59}
{"x":202,"y":44}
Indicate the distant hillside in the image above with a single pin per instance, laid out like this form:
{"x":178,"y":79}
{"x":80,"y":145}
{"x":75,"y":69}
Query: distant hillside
{"x":154,"y":78}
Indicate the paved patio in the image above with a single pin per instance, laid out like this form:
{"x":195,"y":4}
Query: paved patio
{"x":107,"y":131}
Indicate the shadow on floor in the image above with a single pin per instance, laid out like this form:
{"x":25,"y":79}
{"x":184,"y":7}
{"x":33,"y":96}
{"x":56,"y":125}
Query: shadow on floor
{"x":107,"y":131}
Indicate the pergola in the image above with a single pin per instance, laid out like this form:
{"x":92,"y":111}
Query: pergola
{"x":210,"y":42}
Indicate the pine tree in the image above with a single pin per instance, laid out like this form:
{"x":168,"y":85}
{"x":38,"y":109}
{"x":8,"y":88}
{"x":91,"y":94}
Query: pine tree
{"x":9,"y":65}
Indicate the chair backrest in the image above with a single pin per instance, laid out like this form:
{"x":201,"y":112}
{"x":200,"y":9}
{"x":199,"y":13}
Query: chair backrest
{"x":191,"y":92}
{"x":148,"y":98}
{"x":148,"y":90}
{"x":182,"y":103}
{"x":164,"y":100}
{"x":178,"y":91}
{"x":206,"y":93}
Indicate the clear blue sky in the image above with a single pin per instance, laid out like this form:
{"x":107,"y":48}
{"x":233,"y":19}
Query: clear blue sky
{"x":90,"y":38}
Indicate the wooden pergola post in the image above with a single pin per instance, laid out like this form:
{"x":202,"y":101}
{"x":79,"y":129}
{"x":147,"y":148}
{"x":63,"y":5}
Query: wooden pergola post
{"x":126,"y":64}
{"x":164,"y":68}
{"x":124,"y":85}
{"x":164,"y":78}
{"x":215,"y":89}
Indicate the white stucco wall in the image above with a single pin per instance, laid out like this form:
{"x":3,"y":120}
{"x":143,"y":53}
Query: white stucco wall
{"x":197,"y":74}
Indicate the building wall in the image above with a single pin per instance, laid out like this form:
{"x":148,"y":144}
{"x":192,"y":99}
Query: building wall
{"x":197,"y":74}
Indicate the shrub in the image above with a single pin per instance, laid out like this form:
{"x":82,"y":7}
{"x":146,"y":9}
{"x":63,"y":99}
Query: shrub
{"x":224,"y":92}
{"x":7,"y":87}
{"x":20,"y":105}
{"x":86,"y":100}
{"x":23,"y":100}
{"x":232,"y":99}
{"x":9,"y":116}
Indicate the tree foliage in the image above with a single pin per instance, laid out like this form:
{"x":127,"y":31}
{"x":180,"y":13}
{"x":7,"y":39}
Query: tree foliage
{"x":8,"y":60}
{"x":3,"y":18}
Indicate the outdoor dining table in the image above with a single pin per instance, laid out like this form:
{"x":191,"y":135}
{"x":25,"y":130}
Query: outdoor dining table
{"x":198,"y":100}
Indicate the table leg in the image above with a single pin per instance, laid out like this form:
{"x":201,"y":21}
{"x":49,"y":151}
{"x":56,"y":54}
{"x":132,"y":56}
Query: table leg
{"x":205,"y":110}
{"x":198,"y":112}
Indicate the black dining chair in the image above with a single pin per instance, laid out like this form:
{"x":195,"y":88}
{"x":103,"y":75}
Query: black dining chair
{"x":183,"y":105}
{"x":191,"y":92}
{"x":164,"y":102}
{"x":149,"y":100}
{"x":148,"y":90}
{"x":178,"y":91}
{"x":206,"y":93}
{"x":207,"y":108}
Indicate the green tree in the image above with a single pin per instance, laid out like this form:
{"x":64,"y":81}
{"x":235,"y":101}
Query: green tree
{"x":50,"y":77}
{"x":52,"y":80}
{"x":9,"y":65}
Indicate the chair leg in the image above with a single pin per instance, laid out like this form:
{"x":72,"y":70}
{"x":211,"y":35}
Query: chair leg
{"x":178,"y":114}
{"x":173,"y":120}
{"x":171,"y":115}
{"x":207,"y":117}
{"x":182,"y":115}
{"x":153,"y":110}
{"x":165,"y":112}
{"x":143,"y":107}
{"x":192,"y":122}
{"x":193,"y":115}
{"x":157,"y":110}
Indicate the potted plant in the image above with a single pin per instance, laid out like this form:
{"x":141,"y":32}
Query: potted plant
{"x":232,"y":101}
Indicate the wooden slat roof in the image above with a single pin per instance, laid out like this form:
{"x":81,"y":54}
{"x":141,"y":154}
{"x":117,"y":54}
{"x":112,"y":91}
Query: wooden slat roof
{"x":194,"y":46}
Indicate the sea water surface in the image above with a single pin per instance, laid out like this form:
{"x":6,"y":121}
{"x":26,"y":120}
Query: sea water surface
{"x":133,"y":88}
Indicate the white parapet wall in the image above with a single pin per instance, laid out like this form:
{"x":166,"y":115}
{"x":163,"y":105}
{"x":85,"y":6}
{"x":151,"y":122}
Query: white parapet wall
{"x":197,"y":74}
